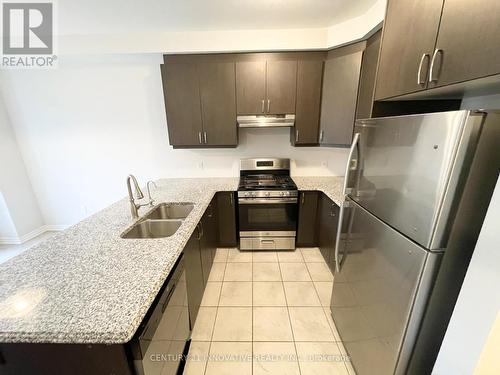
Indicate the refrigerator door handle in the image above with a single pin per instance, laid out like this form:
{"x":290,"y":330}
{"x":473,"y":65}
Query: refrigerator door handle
{"x":339,"y":233}
{"x":355,"y":142}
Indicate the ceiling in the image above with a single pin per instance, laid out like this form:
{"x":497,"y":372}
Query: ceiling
{"x":136,"y":16}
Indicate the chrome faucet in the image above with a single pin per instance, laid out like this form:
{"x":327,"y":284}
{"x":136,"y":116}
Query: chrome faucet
{"x":148,"y":186}
{"x":134,"y":207}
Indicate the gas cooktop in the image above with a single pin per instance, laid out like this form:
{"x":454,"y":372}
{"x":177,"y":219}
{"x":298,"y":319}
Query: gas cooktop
{"x":266,"y":181}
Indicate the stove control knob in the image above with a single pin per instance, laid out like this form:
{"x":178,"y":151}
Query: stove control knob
{"x":287,"y":193}
{"x":282,"y":193}
{"x":268,"y":194}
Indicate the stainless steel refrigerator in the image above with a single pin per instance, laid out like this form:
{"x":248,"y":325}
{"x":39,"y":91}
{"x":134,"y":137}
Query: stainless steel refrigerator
{"x":416,"y":191}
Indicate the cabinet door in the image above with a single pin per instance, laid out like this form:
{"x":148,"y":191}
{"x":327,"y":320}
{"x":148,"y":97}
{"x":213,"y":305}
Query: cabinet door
{"x":250,"y":87}
{"x":307,"y":111}
{"x":326,"y":228}
{"x":281,"y":86}
{"x":218,"y":103}
{"x":194,"y":276}
{"x":340,"y":93}
{"x":367,"y":79}
{"x":469,"y":37}
{"x":208,"y":241}
{"x":308,"y":208}
{"x":182,"y":103}
{"x":410,"y":31}
{"x":226,"y":212}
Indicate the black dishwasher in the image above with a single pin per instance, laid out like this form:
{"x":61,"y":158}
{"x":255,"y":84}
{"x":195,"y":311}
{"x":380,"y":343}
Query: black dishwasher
{"x":159,"y":346}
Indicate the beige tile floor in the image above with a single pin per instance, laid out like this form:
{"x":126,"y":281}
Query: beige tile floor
{"x":267,"y":313}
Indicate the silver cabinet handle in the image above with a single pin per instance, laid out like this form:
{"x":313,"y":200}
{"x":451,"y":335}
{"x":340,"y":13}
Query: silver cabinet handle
{"x":199,"y":137}
{"x":431,"y":69}
{"x":200,"y":233}
{"x":297,"y":135}
{"x":262,"y":109}
{"x":348,"y":166}
{"x":268,"y":105}
{"x":266,"y":241}
{"x":231,"y":198}
{"x":205,"y":136}
{"x":302,"y":198}
{"x":321,"y":133}
{"x":419,"y":80}
{"x":331,"y":209}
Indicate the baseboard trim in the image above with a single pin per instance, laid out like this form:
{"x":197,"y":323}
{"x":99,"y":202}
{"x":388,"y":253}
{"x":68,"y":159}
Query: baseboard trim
{"x":15,"y":240}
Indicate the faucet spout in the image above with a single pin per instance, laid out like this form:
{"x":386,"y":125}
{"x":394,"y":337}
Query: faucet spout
{"x":134,"y":207}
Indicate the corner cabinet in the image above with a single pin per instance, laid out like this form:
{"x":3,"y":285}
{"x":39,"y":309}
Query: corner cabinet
{"x":200,"y":101}
{"x":327,"y":229}
{"x":435,"y":43}
{"x":340,"y":93}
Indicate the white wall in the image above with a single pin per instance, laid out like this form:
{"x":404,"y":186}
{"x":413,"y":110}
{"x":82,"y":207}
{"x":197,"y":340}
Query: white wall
{"x":8,"y":231}
{"x":478,"y":303}
{"x":19,"y":211}
{"x":85,"y":126}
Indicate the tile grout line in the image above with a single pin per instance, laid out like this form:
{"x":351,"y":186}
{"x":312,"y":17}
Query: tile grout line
{"x":216,"y":314}
{"x":328,"y":320}
{"x":289,"y":318}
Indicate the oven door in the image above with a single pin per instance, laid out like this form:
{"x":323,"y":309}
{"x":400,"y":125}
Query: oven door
{"x":267,"y":217}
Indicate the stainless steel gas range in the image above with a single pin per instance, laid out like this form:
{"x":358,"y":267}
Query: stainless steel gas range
{"x":267,"y":205}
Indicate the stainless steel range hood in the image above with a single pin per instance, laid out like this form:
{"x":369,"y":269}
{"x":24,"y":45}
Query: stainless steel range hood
{"x":266,"y":121}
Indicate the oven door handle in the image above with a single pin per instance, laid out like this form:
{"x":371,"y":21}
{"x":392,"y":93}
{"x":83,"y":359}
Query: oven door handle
{"x":266,"y":201}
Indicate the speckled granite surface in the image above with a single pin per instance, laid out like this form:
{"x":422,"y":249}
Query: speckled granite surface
{"x":87,"y":285}
{"x":331,"y":186}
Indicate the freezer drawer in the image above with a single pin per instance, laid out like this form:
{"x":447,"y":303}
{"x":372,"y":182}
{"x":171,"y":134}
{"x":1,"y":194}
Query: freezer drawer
{"x":408,"y":170}
{"x":379,"y":291}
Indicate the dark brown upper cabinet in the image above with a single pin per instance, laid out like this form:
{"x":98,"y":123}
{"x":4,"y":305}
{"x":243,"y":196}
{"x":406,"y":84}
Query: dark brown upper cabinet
{"x":218,"y":103}
{"x":435,"y":43}
{"x":308,"y":106}
{"x":368,"y":73}
{"x":200,"y":100}
{"x":251,"y":87}
{"x":468,"y":43}
{"x":340,"y":93}
{"x":182,"y":101}
{"x":266,"y":86}
{"x":409,"y":37}
{"x":281,"y":86}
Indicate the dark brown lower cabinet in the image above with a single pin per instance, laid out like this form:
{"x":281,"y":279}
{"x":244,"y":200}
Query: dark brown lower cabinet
{"x":208,"y":228}
{"x":194,"y":274}
{"x":64,"y":359}
{"x":226,"y":212}
{"x":327,"y":228}
{"x":308,"y":207}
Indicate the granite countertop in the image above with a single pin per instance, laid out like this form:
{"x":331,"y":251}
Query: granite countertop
{"x":88,"y":285}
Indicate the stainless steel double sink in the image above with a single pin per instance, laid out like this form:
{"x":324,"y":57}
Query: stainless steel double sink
{"x":162,"y":221}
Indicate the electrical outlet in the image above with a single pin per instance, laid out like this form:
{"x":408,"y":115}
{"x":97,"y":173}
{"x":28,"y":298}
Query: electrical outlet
{"x":200,"y":165}
{"x":324,"y":164}
{"x":84,"y":210}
